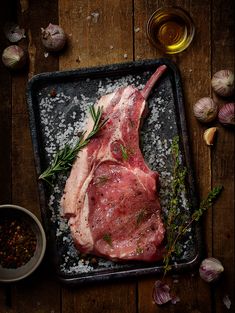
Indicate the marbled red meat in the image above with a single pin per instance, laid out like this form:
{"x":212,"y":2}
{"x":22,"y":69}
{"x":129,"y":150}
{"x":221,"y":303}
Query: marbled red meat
{"x":110,"y":197}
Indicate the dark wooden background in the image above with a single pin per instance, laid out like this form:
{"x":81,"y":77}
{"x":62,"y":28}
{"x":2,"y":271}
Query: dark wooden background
{"x":89,"y":45}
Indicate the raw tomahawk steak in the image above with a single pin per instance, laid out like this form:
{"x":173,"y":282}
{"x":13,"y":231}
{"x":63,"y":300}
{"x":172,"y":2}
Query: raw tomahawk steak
{"x":110,"y":197}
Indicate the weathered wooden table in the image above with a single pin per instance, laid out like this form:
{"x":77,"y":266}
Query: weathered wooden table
{"x":121,"y":24}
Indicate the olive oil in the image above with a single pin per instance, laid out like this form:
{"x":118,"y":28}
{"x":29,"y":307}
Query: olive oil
{"x":170,"y":29}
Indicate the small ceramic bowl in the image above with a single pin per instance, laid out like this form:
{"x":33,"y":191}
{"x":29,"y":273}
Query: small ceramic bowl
{"x":18,"y":214}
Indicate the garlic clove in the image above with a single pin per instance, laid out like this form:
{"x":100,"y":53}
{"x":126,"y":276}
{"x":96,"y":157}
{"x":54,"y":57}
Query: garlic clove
{"x":210,"y":269}
{"x":161,"y":293}
{"x":14,"y":57}
{"x":175,"y":299}
{"x":209,"y":135}
{"x":223,"y":83}
{"x":227,"y":301}
{"x":205,"y":110}
{"x":53,"y":37}
{"x":226,"y":114}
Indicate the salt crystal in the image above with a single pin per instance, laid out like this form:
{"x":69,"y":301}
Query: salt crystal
{"x":95,"y":17}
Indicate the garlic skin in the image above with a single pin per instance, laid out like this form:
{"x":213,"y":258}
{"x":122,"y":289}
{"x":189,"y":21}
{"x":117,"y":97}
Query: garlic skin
{"x":161,"y":293}
{"x":205,"y":110}
{"x":223,"y":83}
{"x":226,"y":114}
{"x":227,"y":301}
{"x":13,"y":32}
{"x":209,"y":135}
{"x":210,"y":269}
{"x":53,"y":37}
{"x":14,"y":57}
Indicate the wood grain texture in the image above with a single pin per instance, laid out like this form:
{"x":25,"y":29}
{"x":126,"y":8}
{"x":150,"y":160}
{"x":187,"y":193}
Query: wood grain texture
{"x":100,"y":298}
{"x":99,"y":32}
{"x":32,"y":294}
{"x":223,"y":45}
{"x":39,"y":293}
{"x":6,"y":13}
{"x":199,"y":78}
{"x":24,"y":188}
{"x":39,"y":15}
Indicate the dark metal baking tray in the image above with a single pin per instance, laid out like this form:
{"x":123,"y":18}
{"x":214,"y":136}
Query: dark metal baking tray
{"x":57,"y":103}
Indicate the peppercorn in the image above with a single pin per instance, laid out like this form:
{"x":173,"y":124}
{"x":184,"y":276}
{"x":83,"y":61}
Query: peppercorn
{"x":17,"y":242}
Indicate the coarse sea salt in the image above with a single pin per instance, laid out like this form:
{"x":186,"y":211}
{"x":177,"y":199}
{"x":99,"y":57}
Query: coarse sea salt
{"x":62,"y":118}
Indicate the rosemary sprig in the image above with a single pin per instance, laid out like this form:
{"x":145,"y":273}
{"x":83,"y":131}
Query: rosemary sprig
{"x":64,"y":158}
{"x":176,"y":223}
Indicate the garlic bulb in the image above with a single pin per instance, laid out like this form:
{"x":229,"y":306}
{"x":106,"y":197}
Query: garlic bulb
{"x":227,"y":114}
{"x":14,"y":57}
{"x":205,"y":110}
{"x":223,"y":83}
{"x":161,"y":293}
{"x":13,"y":32}
{"x":53,"y":37}
{"x":209,"y":135}
{"x":210,"y":269}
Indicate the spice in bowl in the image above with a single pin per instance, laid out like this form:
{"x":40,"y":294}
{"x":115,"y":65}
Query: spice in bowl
{"x":17,"y":242}
{"x":22,"y":243}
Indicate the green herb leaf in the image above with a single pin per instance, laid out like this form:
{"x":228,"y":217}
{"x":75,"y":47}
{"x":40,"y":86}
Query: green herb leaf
{"x":124,"y":152}
{"x":207,"y":203}
{"x":177,"y":224}
{"x":139,"y":250}
{"x":64,"y":158}
{"x":107,"y":237}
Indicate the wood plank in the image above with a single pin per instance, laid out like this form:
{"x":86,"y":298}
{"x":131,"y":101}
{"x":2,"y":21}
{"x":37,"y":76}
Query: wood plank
{"x":100,"y":32}
{"x":100,"y":298}
{"x":24,"y":188}
{"x":30,"y":295}
{"x":223,"y":155}
{"x":5,"y":112}
{"x":40,"y":14}
{"x":40,"y":293}
{"x":6,"y":14}
{"x":195,"y":80}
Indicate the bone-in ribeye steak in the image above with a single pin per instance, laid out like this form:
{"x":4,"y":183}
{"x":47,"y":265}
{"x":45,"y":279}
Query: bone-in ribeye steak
{"x":110,"y":197}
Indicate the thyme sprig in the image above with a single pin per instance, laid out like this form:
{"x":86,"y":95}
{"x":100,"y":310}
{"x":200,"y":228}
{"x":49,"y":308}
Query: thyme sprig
{"x":177,"y":224}
{"x":124,"y":151}
{"x":64,"y":158}
{"x":107,"y":237}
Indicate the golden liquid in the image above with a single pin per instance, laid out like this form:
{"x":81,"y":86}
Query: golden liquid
{"x":171,"y":32}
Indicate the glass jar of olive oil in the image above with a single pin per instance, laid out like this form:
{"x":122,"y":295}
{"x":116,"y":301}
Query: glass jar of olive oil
{"x":170,"y":29}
